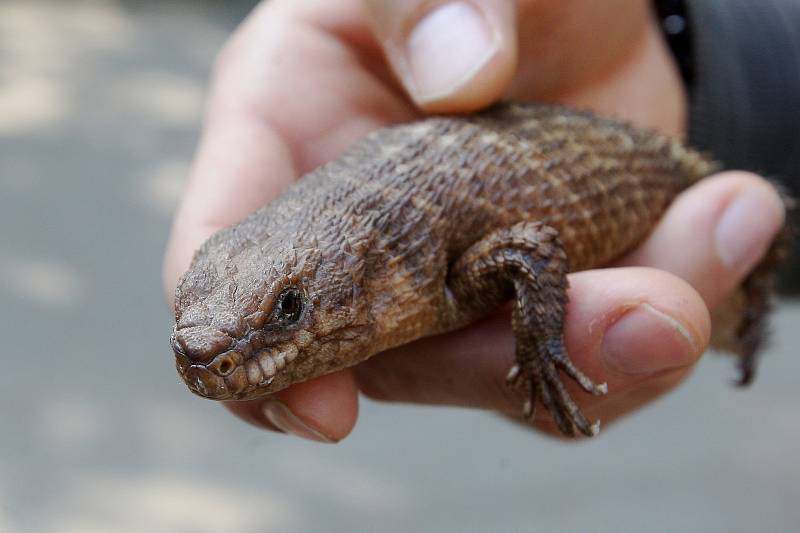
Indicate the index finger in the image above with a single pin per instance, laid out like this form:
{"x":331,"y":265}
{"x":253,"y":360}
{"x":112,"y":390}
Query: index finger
{"x":286,"y":97}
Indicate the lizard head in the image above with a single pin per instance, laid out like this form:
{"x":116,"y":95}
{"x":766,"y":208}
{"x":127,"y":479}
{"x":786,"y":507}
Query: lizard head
{"x":253,"y":319}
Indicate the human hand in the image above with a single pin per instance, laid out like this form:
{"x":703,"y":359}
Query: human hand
{"x":301,"y":80}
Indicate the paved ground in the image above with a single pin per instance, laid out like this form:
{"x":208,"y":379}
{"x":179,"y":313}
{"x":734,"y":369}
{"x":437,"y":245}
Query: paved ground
{"x":99,"y":111}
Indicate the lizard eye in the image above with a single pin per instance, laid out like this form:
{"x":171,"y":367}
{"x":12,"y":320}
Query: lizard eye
{"x":290,"y":306}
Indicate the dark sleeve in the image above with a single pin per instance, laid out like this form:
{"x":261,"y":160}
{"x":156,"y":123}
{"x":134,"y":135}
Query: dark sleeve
{"x":745,"y":87}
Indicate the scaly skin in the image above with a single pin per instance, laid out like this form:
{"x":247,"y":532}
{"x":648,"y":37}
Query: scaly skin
{"x":424,"y":228}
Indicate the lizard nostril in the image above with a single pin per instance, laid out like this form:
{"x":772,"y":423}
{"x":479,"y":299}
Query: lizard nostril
{"x":225,"y":364}
{"x":225,"y":367}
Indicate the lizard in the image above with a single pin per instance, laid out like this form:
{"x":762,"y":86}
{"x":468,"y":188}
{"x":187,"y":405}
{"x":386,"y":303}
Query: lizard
{"x":423,"y":228}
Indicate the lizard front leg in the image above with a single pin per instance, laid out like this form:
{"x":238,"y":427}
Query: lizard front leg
{"x":528,"y":263}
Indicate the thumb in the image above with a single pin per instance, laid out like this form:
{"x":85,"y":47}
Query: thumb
{"x":451,"y":56}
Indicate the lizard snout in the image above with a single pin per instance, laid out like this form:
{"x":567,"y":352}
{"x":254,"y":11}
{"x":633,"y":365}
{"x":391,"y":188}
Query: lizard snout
{"x":200,"y":344}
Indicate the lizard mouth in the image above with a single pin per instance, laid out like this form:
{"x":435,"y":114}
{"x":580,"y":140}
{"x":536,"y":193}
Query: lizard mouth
{"x":231,"y":376}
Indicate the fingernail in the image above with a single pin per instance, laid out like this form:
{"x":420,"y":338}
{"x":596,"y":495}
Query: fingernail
{"x":284,"y":419}
{"x":747,"y":227}
{"x":645,"y":340}
{"x":447,"y":48}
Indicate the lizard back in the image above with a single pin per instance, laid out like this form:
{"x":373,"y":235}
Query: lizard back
{"x":420,"y":194}
{"x":359,"y":255}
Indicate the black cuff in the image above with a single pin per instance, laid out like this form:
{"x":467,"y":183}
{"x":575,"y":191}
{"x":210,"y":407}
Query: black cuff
{"x":745,"y":97}
{"x":740,"y":60}
{"x":673,"y":17}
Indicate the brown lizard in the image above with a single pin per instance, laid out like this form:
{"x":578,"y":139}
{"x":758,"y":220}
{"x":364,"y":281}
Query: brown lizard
{"x":424,"y":228}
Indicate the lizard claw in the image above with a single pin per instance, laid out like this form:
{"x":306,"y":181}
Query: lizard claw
{"x":545,"y":382}
{"x":513,"y":375}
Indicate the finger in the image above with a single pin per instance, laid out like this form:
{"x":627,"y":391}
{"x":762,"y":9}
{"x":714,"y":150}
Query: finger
{"x":268,"y":121}
{"x":714,"y":233}
{"x":459,"y":56}
{"x":450,"y":56}
{"x":637,"y":329}
{"x":206,"y":206}
{"x":261,"y":131}
{"x":323,"y":409}
{"x":607,"y":56}
{"x":227,"y":180}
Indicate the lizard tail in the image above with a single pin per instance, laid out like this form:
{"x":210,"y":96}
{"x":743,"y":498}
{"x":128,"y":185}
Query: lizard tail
{"x":757,"y":290}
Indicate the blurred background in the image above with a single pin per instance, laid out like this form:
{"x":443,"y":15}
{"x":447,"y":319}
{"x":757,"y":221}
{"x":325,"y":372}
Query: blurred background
{"x":100,"y":107}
